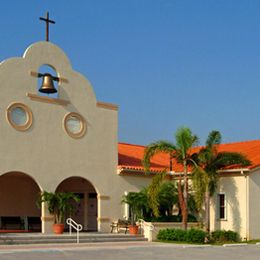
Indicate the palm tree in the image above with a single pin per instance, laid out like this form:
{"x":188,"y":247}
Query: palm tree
{"x":205,"y":174}
{"x":181,"y":152}
{"x":153,"y":191}
{"x":59,"y":204}
{"x":137,"y":202}
{"x":167,"y":197}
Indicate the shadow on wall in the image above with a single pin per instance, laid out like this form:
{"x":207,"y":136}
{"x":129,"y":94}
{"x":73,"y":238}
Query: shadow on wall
{"x":214,"y":223}
{"x":235,"y":207}
{"x":233,"y":211}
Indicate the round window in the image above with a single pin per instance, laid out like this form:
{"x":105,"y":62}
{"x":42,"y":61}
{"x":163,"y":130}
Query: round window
{"x":19,"y":116}
{"x":74,"y":125}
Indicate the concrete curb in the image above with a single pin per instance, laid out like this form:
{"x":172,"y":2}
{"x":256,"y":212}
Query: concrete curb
{"x":196,"y":246}
{"x":233,"y":245}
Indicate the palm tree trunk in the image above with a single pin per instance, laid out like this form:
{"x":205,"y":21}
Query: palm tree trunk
{"x":185,"y":195}
{"x":207,"y":211}
{"x":182,"y":204}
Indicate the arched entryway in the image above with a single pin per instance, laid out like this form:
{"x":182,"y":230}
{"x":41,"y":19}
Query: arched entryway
{"x":86,"y":211}
{"x":18,"y":210}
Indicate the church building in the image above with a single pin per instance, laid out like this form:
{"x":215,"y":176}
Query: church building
{"x":64,"y":139}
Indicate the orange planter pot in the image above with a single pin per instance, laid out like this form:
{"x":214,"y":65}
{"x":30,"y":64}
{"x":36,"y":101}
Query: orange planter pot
{"x":58,"y":228}
{"x":133,"y":230}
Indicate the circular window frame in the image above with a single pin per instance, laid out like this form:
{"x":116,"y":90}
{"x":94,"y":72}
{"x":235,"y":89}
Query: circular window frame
{"x":28,"y":112}
{"x":83,"y":127}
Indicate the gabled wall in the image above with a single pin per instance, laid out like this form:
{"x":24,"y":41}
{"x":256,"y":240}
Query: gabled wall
{"x":45,"y":151}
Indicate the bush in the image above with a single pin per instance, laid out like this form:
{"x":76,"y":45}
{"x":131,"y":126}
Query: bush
{"x":220,"y":236}
{"x":166,"y":234}
{"x":164,"y":219}
{"x":195,"y":236}
{"x":180,"y":235}
{"x":172,"y":218}
{"x":172,"y":234}
{"x":192,"y":235}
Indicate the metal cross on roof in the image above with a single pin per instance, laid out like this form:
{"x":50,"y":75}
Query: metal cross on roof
{"x":47,"y":20}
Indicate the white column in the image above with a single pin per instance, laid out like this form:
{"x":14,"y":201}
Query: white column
{"x":47,"y":219}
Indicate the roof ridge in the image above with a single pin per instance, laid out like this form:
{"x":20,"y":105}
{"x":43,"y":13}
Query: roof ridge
{"x":132,"y":144}
{"x":241,"y":142}
{"x":199,"y":146}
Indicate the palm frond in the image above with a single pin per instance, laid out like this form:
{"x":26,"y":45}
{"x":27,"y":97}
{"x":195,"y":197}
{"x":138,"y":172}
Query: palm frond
{"x":213,"y":183}
{"x":185,"y":140}
{"x":224,"y":159}
{"x":200,"y":183}
{"x":207,"y":154}
{"x":214,"y":138}
{"x":195,"y":158}
{"x":155,"y":148}
{"x":153,"y":192}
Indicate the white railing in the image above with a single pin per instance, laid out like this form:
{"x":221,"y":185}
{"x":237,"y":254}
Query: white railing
{"x":72,"y":224}
{"x":143,"y":224}
{"x":147,"y":229}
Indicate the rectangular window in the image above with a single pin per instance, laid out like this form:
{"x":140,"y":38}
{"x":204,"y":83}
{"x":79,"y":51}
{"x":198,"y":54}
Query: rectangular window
{"x":222,"y":206}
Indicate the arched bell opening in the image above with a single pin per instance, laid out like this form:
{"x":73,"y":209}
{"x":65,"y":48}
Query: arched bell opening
{"x":18,"y":210}
{"x":86,"y":210}
{"x":48,"y":81}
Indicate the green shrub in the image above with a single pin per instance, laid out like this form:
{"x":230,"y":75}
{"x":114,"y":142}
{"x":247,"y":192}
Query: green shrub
{"x":195,"y":236}
{"x":172,"y":218}
{"x":232,"y":236}
{"x":180,"y":235}
{"x":165,"y":234}
{"x":164,"y":219}
{"x":172,"y":234}
{"x":192,"y":235}
{"x":192,"y":218}
{"x":220,"y":236}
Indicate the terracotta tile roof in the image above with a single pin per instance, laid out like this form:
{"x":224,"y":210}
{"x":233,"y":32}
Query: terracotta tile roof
{"x":130,"y":156}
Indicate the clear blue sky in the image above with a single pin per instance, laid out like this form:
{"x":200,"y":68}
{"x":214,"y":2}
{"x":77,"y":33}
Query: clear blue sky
{"x":166,"y":63}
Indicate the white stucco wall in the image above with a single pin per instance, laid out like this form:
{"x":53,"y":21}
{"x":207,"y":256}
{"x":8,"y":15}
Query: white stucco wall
{"x":45,"y":151}
{"x":127,"y":183}
{"x":254,"y":204}
{"x":235,"y":190}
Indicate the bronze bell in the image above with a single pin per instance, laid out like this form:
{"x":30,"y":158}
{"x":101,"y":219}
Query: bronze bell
{"x":47,"y":84}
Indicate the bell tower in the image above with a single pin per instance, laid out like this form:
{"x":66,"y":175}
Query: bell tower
{"x":56,"y":141}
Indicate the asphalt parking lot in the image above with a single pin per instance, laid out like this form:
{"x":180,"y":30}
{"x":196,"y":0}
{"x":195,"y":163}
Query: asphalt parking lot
{"x":125,"y":251}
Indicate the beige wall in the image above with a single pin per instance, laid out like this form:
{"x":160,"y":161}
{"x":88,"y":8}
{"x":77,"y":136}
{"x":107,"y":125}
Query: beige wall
{"x":45,"y":151}
{"x":235,"y":190}
{"x":254,"y":204}
{"x":126,"y":183}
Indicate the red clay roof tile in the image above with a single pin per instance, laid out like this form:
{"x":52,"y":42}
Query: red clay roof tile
{"x":130,"y":156}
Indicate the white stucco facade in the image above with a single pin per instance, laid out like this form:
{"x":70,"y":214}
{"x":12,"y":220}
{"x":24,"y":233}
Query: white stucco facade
{"x":242,"y":206}
{"x":45,"y":157}
{"x":254,"y":204}
{"x":45,"y":151}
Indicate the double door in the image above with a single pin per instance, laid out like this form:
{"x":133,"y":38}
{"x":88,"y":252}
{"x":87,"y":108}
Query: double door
{"x":86,"y":211}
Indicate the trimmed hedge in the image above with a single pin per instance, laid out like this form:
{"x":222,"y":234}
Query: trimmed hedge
{"x":191,"y":235}
{"x":195,"y":236}
{"x":173,"y":218}
{"x":172,"y":234}
{"x":220,"y":236}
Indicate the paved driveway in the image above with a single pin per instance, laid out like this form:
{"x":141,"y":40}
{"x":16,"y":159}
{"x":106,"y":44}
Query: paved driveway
{"x":130,"y":250}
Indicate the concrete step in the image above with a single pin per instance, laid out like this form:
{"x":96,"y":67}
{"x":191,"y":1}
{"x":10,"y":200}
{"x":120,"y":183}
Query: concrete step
{"x":18,"y":239}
